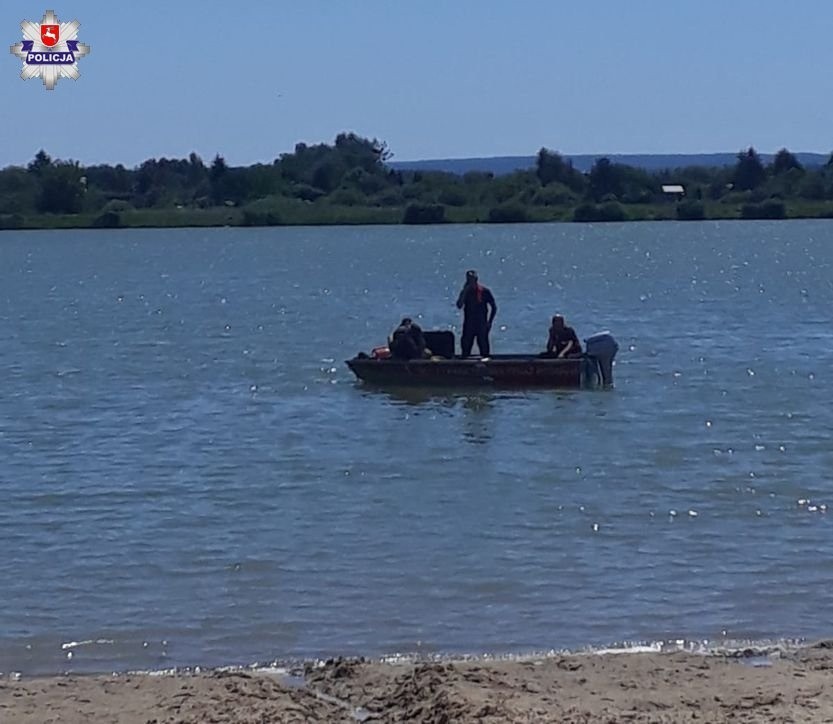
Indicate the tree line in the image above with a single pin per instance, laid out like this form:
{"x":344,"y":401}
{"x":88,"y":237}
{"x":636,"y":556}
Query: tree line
{"x":351,"y":178}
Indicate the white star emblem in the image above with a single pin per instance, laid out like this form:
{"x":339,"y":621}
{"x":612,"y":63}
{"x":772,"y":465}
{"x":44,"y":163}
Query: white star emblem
{"x":67,"y":46}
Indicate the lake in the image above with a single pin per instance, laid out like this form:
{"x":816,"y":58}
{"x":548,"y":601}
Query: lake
{"x":190,"y":475}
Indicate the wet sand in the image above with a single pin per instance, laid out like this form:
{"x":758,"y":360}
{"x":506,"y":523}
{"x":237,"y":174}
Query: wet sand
{"x":792,"y":686}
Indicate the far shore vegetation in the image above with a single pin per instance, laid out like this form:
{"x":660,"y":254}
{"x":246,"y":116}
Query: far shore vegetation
{"x":350,"y":182}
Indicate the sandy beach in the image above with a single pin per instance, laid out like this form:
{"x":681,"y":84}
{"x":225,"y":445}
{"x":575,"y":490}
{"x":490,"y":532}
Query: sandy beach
{"x":783,"y":686}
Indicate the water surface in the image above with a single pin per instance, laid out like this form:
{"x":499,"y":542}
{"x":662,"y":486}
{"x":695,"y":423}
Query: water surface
{"x":190,"y":475}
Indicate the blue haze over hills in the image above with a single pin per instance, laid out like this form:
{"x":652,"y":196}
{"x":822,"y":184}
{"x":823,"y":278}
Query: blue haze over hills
{"x":583,"y":162}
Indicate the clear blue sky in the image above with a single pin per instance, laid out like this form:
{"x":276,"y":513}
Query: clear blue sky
{"x":433,"y":78}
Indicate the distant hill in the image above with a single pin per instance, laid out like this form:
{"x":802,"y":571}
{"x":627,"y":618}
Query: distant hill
{"x":651,"y":162}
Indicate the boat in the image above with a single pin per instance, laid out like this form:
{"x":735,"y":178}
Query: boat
{"x":592,"y":370}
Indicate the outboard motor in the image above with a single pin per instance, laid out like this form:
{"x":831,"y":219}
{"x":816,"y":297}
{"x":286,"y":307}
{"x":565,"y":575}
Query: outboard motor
{"x":602,"y":347}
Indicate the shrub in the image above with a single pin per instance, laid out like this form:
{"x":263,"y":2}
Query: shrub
{"x":261,"y":218}
{"x":347,"y":197}
{"x":508,"y":214}
{"x":107,"y":220}
{"x":613,"y":212}
{"x":11,"y":221}
{"x":477,"y":177}
{"x":586,"y":212}
{"x":638,"y":196}
{"x":307,"y":193}
{"x":690,"y":211}
{"x":772,"y":209}
{"x":452,"y":197}
{"x":554,"y":194}
{"x":424,"y":214}
{"x":606,"y":212}
{"x":389,"y":198}
{"x":117,"y":205}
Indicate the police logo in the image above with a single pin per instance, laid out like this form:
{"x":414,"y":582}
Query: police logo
{"x":50,"y":50}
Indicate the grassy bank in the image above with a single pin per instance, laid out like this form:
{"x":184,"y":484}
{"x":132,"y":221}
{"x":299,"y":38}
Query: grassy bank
{"x":321,"y":214}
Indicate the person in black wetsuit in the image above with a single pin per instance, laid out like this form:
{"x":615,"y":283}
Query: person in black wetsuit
{"x":407,"y":341}
{"x":479,"y":310}
{"x":563,"y":340}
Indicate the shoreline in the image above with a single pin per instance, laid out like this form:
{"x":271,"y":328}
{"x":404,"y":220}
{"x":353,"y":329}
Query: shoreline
{"x":396,"y":224}
{"x":726,"y":648}
{"x":236,"y":218}
{"x":757,"y":684}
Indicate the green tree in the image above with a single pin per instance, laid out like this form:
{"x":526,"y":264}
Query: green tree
{"x":556,"y":194}
{"x":62,"y":190}
{"x":218,"y":179}
{"x":605,"y":180}
{"x":111,"y":181}
{"x":354,"y":151}
{"x":637,"y":185}
{"x":787,"y":183}
{"x":785,"y":161}
{"x":41,"y":162}
{"x":813,"y":186}
{"x":197,"y":171}
{"x":19,"y":191}
{"x":550,"y":166}
{"x":749,"y":171}
{"x":327,"y":175}
{"x":260,"y":181}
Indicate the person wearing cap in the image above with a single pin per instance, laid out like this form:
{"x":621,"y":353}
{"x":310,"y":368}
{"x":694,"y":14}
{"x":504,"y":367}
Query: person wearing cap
{"x":408,"y":341}
{"x":563,"y":340}
{"x":479,"y":310}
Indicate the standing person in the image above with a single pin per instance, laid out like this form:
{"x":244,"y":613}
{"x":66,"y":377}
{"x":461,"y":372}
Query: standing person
{"x":479,"y":310}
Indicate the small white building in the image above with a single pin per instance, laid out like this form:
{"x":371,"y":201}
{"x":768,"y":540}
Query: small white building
{"x":674,"y":190}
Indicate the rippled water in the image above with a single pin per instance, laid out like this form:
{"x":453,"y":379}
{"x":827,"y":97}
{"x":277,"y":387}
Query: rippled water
{"x":190,"y":475}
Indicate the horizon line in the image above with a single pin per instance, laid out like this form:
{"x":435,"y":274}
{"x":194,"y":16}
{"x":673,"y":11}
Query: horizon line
{"x":610,"y":153}
{"x":428,"y":159}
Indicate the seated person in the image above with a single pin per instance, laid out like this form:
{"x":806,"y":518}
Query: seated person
{"x":408,"y":342}
{"x":563,"y":341}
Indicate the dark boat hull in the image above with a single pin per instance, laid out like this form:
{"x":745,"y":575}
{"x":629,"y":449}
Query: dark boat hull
{"x":497,"y":371}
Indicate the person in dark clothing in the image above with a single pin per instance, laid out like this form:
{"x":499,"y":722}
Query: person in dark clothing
{"x":479,"y":310}
{"x":408,"y":341}
{"x":563,"y":340}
